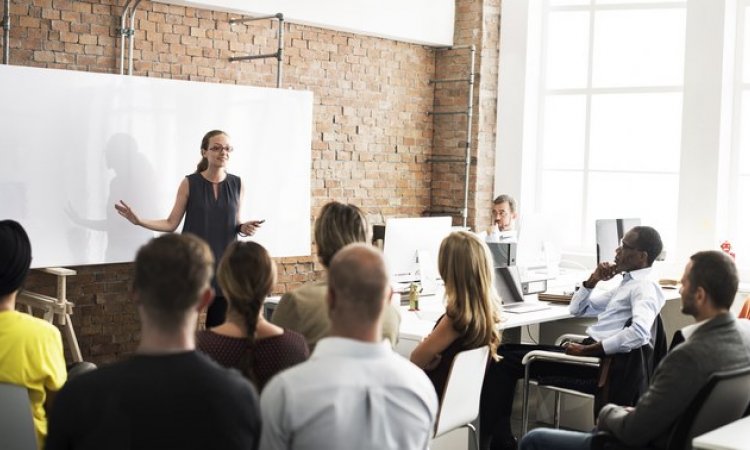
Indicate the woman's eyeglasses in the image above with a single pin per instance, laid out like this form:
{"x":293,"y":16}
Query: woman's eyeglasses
{"x":218,"y":148}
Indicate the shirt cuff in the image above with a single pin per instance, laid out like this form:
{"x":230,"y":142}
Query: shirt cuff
{"x":610,"y":345}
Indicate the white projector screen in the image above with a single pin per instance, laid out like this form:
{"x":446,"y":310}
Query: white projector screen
{"x":74,"y":143}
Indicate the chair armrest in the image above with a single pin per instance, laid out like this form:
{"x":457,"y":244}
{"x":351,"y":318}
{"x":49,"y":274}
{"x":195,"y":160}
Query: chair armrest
{"x":568,"y":337}
{"x":543,"y":355}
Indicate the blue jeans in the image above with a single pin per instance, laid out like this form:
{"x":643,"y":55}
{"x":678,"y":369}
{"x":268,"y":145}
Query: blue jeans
{"x":547,"y":438}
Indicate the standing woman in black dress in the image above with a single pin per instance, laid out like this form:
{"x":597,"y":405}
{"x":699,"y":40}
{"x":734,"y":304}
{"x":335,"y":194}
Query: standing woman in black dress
{"x":210,"y":200}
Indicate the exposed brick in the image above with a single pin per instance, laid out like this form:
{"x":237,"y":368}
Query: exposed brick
{"x":371,"y":137}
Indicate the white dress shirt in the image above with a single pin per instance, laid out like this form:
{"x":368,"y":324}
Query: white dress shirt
{"x":349,"y":394}
{"x":637,"y":296}
{"x":503,"y":237}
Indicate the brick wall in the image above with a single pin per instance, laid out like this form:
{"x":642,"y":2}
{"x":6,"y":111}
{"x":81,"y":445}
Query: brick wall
{"x":478,"y":24}
{"x":372,"y":135}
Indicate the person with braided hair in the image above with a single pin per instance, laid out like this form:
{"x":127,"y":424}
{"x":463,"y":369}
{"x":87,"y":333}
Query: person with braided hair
{"x":31,"y":352}
{"x":247,"y":341}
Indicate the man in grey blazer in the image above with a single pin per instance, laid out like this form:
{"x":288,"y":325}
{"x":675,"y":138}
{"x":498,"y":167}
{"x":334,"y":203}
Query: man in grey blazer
{"x":716,"y":342}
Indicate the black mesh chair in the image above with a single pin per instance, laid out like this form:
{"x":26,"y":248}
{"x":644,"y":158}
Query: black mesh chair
{"x":620,"y":378}
{"x":724,"y":399}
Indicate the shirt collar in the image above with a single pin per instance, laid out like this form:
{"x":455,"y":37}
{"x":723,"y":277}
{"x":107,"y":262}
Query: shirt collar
{"x":640,"y":274}
{"x":688,"y":330}
{"x":351,"y":348}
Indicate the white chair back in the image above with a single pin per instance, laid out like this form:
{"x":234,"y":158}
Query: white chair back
{"x":460,"y":404}
{"x":16,"y":422}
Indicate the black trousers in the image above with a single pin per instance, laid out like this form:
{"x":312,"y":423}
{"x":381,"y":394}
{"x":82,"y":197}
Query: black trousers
{"x":500,"y":382}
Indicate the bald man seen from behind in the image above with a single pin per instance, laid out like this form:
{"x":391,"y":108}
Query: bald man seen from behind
{"x":354,"y":391}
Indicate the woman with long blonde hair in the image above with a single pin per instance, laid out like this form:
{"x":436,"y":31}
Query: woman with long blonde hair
{"x":471,"y":307}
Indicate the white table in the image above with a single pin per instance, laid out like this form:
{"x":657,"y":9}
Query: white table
{"x":416,"y":325}
{"x":734,"y":436}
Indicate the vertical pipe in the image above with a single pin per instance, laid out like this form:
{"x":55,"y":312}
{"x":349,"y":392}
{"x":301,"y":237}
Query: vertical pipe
{"x":280,"y":52}
{"x":123,"y":33}
{"x":131,"y":35}
{"x":6,"y":32}
{"x":469,"y":116}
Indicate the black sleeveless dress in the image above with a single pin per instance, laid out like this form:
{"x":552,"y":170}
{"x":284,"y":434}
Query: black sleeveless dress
{"x":215,"y":220}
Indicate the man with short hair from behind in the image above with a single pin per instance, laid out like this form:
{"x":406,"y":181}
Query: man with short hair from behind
{"x":716,"y":342}
{"x":167,"y":395}
{"x":31,"y":352}
{"x":354,"y":391}
{"x":304,"y":309}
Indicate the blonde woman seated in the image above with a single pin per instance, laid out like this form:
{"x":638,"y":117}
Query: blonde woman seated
{"x":471,"y":315}
{"x":305,"y":309}
{"x":246,"y":341}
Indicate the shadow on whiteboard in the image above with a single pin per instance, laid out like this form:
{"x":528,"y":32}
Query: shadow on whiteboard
{"x":133,"y":180}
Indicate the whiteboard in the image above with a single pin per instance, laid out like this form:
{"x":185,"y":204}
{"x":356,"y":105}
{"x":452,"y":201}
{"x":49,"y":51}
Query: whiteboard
{"x":74,"y":143}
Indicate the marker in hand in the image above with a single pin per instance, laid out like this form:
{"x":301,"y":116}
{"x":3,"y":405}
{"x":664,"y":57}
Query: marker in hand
{"x":248,"y":228}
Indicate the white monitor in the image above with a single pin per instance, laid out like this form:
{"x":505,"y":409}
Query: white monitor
{"x":608,"y":235}
{"x":406,"y":239}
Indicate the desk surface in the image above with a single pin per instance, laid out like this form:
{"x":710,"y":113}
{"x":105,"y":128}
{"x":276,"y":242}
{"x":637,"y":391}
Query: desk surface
{"x":415,"y":325}
{"x":729,"y":437}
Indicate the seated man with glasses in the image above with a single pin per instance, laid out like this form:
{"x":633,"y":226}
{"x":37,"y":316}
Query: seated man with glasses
{"x":626,"y":321}
{"x":504,"y":217}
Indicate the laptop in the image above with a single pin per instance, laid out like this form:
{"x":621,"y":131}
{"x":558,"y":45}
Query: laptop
{"x":508,"y":287}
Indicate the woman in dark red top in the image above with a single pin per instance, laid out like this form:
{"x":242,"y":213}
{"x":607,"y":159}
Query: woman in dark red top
{"x":246,"y":340}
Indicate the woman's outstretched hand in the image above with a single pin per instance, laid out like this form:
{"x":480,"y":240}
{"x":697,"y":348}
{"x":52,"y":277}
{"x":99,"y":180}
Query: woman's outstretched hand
{"x":124,"y":210}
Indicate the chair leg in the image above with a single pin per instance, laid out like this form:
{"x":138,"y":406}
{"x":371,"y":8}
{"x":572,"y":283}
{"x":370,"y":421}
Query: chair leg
{"x":525,"y":405}
{"x":473,"y":432}
{"x":557,"y":409}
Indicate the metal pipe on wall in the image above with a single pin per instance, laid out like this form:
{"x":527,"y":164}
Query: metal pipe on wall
{"x":132,"y":36}
{"x":127,"y":32}
{"x":123,"y":32}
{"x":469,"y":112}
{"x":279,"y":54}
{"x":469,"y":115}
{"x":6,"y":32}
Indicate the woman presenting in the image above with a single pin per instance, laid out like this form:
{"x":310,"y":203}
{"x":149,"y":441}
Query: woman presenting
{"x":210,"y":200}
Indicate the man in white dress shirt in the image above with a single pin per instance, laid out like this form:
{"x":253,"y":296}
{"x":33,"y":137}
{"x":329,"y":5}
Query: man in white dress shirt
{"x":504,"y":215}
{"x":626,"y":321}
{"x":354,"y":391}
{"x":715,"y":342}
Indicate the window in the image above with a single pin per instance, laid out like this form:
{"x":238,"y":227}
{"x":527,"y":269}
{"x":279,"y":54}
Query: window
{"x":629,"y":108}
{"x":739,"y":179}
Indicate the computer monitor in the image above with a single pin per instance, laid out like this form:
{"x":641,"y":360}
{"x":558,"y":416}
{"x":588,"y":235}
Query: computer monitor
{"x":409,"y":239}
{"x":508,"y":287}
{"x":508,"y":284}
{"x":502,"y":254}
{"x":608,"y":235}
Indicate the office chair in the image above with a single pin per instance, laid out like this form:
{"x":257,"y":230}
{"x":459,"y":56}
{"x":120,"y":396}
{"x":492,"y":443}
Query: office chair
{"x":460,"y":400}
{"x":16,"y":422}
{"x":722,"y":400}
{"x":614,"y":383}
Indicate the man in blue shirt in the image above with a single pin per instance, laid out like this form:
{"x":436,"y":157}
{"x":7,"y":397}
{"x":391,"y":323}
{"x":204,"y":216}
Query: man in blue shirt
{"x":626,"y":321}
{"x":715,"y":342}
